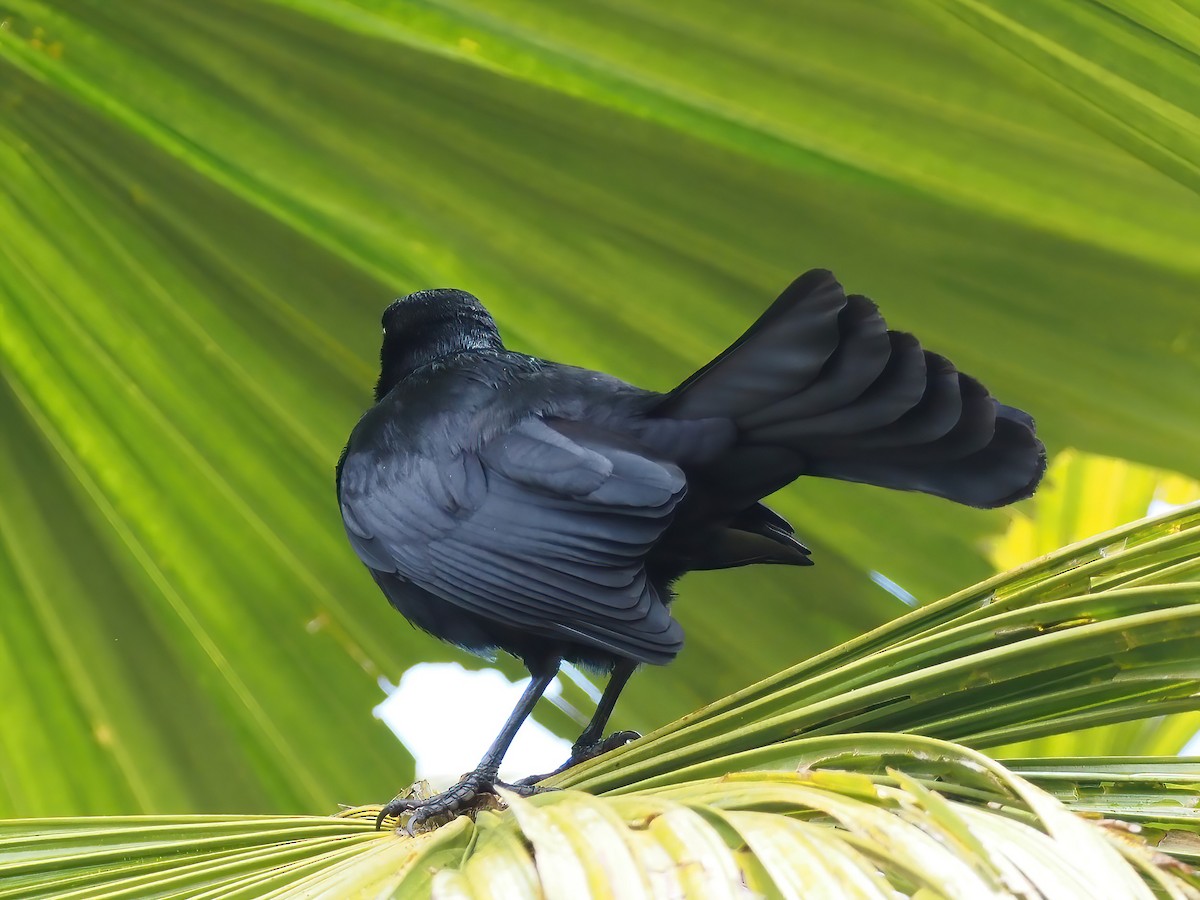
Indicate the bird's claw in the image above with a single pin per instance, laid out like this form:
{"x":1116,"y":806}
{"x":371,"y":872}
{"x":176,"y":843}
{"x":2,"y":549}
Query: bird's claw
{"x":393,"y":808}
{"x":591,"y":751}
{"x":582,"y":753}
{"x":522,"y":788}
{"x":452,"y":800}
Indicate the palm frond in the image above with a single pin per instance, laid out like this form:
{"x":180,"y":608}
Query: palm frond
{"x":960,"y":825}
{"x":1101,"y":631}
{"x":206,"y":205}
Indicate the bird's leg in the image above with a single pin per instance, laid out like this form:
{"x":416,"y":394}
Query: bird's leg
{"x":483,"y":779}
{"x":590,"y":745}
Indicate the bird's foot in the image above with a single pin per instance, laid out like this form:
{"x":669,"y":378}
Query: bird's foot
{"x":521,"y":789}
{"x":583,"y":752}
{"x":462,"y":796}
{"x":598,"y":748}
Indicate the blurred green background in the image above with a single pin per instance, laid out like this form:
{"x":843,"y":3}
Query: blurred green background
{"x":205,"y":206}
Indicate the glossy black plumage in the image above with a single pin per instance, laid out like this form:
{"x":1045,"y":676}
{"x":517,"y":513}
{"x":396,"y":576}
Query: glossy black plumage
{"x":507,"y":502}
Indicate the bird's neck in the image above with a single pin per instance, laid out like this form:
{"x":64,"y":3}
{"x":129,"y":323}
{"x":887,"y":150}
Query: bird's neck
{"x":402,"y":357}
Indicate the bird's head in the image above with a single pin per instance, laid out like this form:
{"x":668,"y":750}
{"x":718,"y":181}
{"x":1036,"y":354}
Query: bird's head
{"x":427,"y":326}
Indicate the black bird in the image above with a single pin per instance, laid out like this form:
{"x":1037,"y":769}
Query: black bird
{"x":502,"y":501}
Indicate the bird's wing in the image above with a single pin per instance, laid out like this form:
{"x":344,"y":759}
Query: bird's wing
{"x":546,"y":529}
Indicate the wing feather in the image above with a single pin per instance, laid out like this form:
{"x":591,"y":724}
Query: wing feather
{"x":546,"y":528}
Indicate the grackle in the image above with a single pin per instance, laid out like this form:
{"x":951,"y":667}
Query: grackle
{"x":501,"y":501}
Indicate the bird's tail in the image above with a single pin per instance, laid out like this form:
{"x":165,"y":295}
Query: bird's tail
{"x":819,"y":386}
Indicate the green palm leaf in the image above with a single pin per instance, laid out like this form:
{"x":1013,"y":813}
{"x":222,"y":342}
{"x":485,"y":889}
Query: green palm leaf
{"x":1086,"y":495}
{"x":205,"y":206}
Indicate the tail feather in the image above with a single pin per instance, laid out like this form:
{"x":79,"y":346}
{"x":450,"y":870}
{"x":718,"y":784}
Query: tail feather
{"x":820,"y":386}
{"x":955,"y":417}
{"x":895,"y":391}
{"x":945,"y":407}
{"x":742,"y":379}
{"x":863,"y":351}
{"x":1004,"y":471}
